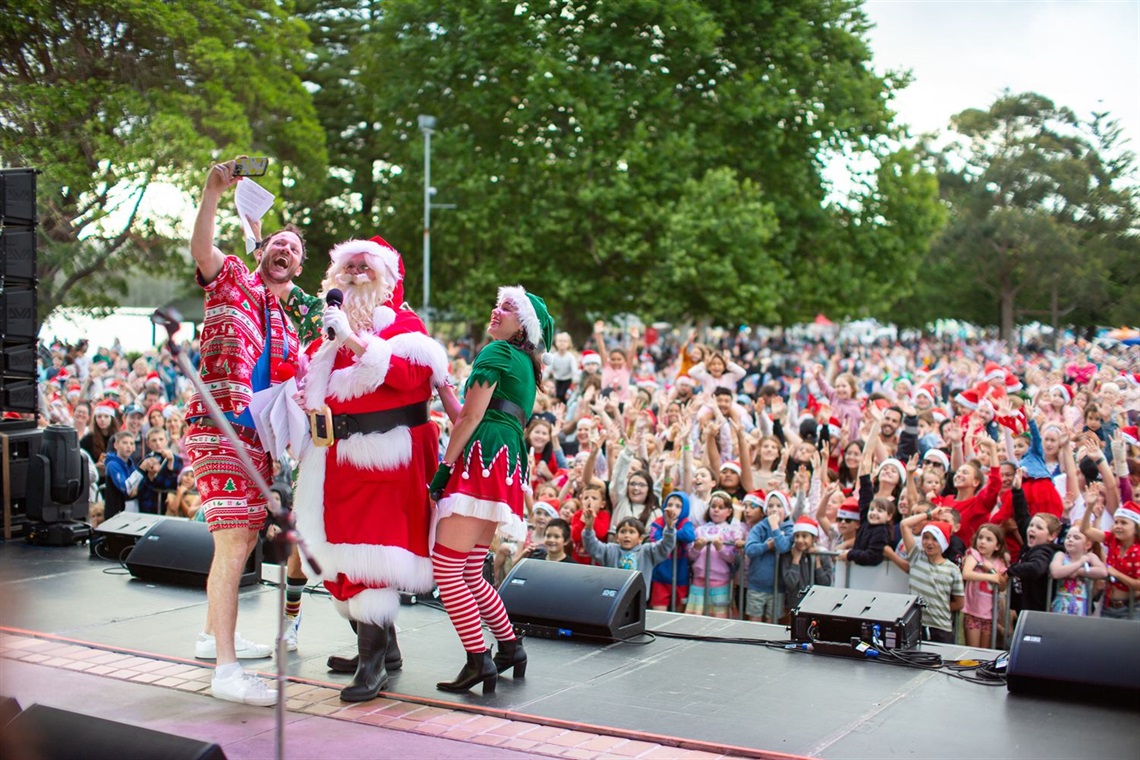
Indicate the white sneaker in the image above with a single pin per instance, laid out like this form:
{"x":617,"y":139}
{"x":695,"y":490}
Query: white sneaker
{"x":292,"y":627}
{"x":245,"y":688}
{"x":206,"y":648}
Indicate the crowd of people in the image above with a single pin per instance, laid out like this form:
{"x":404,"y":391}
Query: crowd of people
{"x":731,"y":473}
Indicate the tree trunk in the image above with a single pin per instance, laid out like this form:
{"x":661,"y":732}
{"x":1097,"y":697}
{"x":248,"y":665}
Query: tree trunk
{"x":1007,"y":300}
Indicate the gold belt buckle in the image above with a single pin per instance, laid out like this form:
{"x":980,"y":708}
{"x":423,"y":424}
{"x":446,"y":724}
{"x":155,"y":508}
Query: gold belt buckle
{"x":321,"y":427}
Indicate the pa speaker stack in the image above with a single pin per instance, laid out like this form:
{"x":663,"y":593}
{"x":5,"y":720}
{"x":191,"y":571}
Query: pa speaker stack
{"x":19,"y":323}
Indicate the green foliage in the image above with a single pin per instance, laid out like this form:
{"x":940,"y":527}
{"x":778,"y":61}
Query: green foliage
{"x":110,"y":98}
{"x":1043,"y":222}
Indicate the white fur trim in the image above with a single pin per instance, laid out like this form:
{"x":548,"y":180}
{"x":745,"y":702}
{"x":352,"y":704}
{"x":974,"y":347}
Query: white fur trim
{"x":510,"y":524}
{"x":387,"y":259}
{"x":378,"y":606}
{"x":516,"y":294}
{"x":376,"y":451}
{"x":317,"y":375}
{"x":382,"y":565}
{"x":382,"y":318}
{"x":424,"y":350}
{"x":365,"y":374}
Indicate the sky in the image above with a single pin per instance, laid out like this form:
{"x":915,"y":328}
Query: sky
{"x":1083,"y":54}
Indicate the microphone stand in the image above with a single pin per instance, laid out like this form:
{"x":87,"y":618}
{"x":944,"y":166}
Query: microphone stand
{"x":170,"y":319}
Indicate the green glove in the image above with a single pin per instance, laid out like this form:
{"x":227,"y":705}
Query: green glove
{"x":439,"y":482}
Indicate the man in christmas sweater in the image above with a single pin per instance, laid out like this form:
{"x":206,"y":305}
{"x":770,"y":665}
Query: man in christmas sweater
{"x":361,"y":500}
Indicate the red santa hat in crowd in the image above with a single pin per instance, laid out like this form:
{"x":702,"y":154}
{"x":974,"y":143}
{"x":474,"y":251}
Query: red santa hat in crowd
{"x":1129,"y":510}
{"x":73,"y":390}
{"x":899,"y":467}
{"x":929,"y":390}
{"x":941,"y":532}
{"x":105,"y":407}
{"x":733,"y":465}
{"x":1012,"y":384}
{"x":1130,"y":436}
{"x":754,"y":499}
{"x":939,"y":413}
{"x":685,"y":380}
{"x":111,"y":387}
{"x":1065,"y":390}
{"x":968,"y":399}
{"x":849,"y":509}
{"x":545,"y":505}
{"x":939,"y":456}
{"x":834,"y":428}
{"x":648,"y":385}
{"x":589,"y":357}
{"x":806,"y":524}
{"x":152,"y":378}
{"x":992,"y":372}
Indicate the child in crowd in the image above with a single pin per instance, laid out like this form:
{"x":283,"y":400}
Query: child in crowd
{"x":509,"y":552}
{"x":1073,"y":567}
{"x":1122,"y":557}
{"x":563,"y":366}
{"x":874,"y":534}
{"x":630,"y":551}
{"x":1031,"y":571}
{"x":768,"y":539}
{"x":712,"y":554}
{"x":556,"y":541}
{"x":796,"y":570}
{"x":592,"y":498}
{"x":676,"y":564}
{"x":933,"y":577}
{"x":982,"y":570}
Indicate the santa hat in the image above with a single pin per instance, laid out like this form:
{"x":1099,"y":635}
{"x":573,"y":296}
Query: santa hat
{"x":782,"y":499}
{"x":584,"y":422}
{"x":1130,"y":435}
{"x":754,"y":499}
{"x":993,"y":371}
{"x":686,"y":380}
{"x":941,"y":532}
{"x":534,"y":317}
{"x":930,"y":390}
{"x":834,"y":428}
{"x":156,"y":407}
{"x":733,"y":465}
{"x":1131,"y":378}
{"x":937,"y":455}
{"x":652,"y":417}
{"x":1129,"y":510}
{"x":806,"y":524}
{"x":849,"y":509}
{"x":112,"y":387}
{"x":968,"y":399}
{"x":380,"y":256}
{"x":1012,"y":384}
{"x":892,"y":462}
{"x":647,"y":385}
{"x":152,"y":378}
{"x":590,"y":357}
{"x":545,"y":506}
{"x":73,"y":389}
{"x":103,"y":408}
{"x":1065,"y":391}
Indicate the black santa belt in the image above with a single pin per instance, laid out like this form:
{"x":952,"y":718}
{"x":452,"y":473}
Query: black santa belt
{"x":508,"y":407}
{"x":325,"y":426}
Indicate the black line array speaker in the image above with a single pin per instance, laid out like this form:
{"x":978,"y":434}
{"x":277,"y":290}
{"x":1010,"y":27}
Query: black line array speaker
{"x":569,"y":600}
{"x":19,"y":321}
{"x":47,"y":733}
{"x":179,"y":551}
{"x":1069,"y":656}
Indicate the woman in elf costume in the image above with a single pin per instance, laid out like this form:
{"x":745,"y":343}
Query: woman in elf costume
{"x":479,"y":486}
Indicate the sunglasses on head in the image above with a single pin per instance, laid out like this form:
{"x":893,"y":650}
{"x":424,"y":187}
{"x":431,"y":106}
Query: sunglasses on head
{"x":847,"y":519}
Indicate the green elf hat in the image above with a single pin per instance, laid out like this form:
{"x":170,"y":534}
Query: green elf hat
{"x":533,"y":315}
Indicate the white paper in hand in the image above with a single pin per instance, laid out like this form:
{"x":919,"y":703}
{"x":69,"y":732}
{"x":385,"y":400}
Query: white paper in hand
{"x":253,"y":201}
{"x":280,"y":421}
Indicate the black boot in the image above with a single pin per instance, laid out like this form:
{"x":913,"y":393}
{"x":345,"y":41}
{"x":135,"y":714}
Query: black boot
{"x":393,"y":660}
{"x":479,"y":667}
{"x":371,"y":676}
{"x":511,"y":655}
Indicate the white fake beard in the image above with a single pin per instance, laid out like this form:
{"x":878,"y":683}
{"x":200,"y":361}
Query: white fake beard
{"x":360,"y":300}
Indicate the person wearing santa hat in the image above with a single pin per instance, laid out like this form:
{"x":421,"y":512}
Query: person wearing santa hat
{"x":935,"y":579}
{"x":803,"y":567}
{"x":767,"y":539}
{"x":244,"y":339}
{"x":479,"y":486}
{"x":360,"y":499}
{"x":1122,"y":556}
{"x":97,"y":441}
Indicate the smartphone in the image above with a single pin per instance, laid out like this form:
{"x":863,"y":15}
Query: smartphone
{"x":251,"y":167}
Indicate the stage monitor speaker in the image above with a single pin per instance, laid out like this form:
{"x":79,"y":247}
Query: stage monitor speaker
{"x":1069,"y":656}
{"x":121,"y":532}
{"x":568,"y":600}
{"x":48,"y":733}
{"x":179,"y":551}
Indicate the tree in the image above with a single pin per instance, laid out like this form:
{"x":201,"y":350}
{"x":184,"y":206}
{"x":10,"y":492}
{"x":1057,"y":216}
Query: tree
{"x":1043,"y":212}
{"x":578,"y":142}
{"x":111,"y":98}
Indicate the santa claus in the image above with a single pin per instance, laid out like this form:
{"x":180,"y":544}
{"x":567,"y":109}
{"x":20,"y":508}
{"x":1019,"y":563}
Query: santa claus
{"x":361,"y":500}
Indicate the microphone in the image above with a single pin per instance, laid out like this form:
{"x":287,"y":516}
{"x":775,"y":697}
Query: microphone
{"x":333,"y":298}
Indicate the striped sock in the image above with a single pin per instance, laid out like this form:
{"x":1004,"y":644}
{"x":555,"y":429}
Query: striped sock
{"x":293,"y":589}
{"x":447,"y":565}
{"x":491,"y":607}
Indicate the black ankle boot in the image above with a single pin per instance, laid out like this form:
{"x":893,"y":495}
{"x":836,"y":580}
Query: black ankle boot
{"x":479,"y":667}
{"x":393,"y":660}
{"x":371,"y":676}
{"x":511,"y":655}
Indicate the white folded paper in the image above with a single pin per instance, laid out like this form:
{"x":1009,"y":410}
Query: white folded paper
{"x":280,"y":421}
{"x":253,"y":201}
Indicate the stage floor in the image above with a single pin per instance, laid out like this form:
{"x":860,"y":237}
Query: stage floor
{"x":730,"y":695}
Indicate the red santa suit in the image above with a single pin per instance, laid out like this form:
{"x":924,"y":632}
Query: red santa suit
{"x":362,"y":504}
